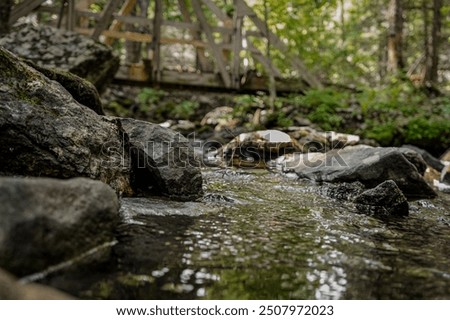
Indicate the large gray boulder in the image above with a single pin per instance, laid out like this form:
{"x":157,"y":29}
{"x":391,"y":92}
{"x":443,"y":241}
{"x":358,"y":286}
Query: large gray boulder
{"x":45,"y":132}
{"x":164,"y":157}
{"x":371,"y":166}
{"x":81,"y":90}
{"x":47,"y":221}
{"x":69,"y":51}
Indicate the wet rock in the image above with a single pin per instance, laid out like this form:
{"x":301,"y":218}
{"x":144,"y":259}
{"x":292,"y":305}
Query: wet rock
{"x":255,"y":149}
{"x":47,"y":221}
{"x":371,"y":166}
{"x":65,"y":50}
{"x":342,"y":191}
{"x":385,"y":199}
{"x":164,"y":156}
{"x":45,"y":132}
{"x":11,"y":289}
{"x":312,"y":140}
{"x":429,"y":159}
{"x":415,"y":158}
{"x":133,"y":208}
{"x":81,"y":90}
{"x":445,"y":175}
{"x":446,"y":156}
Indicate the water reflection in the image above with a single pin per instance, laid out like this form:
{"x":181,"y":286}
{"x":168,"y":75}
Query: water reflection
{"x":257,"y":235}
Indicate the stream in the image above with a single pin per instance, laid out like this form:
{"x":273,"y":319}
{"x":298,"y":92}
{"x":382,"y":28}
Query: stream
{"x":261,"y":235}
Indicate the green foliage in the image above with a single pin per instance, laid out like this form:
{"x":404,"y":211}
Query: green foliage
{"x":322,"y":107}
{"x":394,"y":114}
{"x":184,"y":110}
{"x":150,"y":95}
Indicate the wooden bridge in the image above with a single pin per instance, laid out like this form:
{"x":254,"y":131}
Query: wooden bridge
{"x":204,"y":46}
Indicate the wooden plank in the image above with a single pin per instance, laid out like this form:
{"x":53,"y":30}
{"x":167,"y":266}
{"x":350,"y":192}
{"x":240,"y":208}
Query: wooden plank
{"x":215,"y":49}
{"x":298,"y":64}
{"x":23,"y":9}
{"x":138,"y":74}
{"x":201,"y":61}
{"x":106,"y":18}
{"x":156,"y":46}
{"x":117,"y":24}
{"x":141,"y":37}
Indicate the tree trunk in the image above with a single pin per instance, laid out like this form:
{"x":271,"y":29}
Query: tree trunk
{"x":5,"y":11}
{"x":431,"y":73}
{"x":395,"y":37}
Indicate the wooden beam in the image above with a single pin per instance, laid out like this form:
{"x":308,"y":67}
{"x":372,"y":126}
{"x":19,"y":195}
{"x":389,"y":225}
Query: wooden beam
{"x":71,"y":15}
{"x":117,"y":24}
{"x":216,"y":10}
{"x":106,"y":18}
{"x":261,"y":58}
{"x":138,"y":74}
{"x":142,"y":20}
{"x":156,"y":45}
{"x":215,"y":49}
{"x":298,"y":64}
{"x":23,"y":9}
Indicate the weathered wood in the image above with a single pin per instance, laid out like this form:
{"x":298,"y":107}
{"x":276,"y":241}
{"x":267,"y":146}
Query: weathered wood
{"x":138,"y":74}
{"x":298,"y":64}
{"x":23,"y":9}
{"x":105,"y":18}
{"x":146,"y":38}
{"x":143,"y":21}
{"x":261,"y":58}
{"x":215,"y":49}
{"x":117,"y":24}
{"x":226,"y":52}
{"x":156,"y":45}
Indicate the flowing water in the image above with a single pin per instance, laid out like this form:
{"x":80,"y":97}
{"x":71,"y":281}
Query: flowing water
{"x":259,"y":235}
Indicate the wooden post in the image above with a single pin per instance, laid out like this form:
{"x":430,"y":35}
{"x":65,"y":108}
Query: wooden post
{"x":71,"y":15}
{"x":214,"y":47}
{"x":156,"y":45}
{"x":237,"y":45}
{"x":105,"y":19}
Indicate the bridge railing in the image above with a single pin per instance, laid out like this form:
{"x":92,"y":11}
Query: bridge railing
{"x":224,"y":51}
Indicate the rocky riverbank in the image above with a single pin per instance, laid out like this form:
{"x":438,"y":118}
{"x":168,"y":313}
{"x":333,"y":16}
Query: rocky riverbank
{"x":110,"y":207}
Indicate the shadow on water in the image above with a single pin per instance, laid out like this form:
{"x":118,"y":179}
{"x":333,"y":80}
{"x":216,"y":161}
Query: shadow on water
{"x":258,"y":235}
